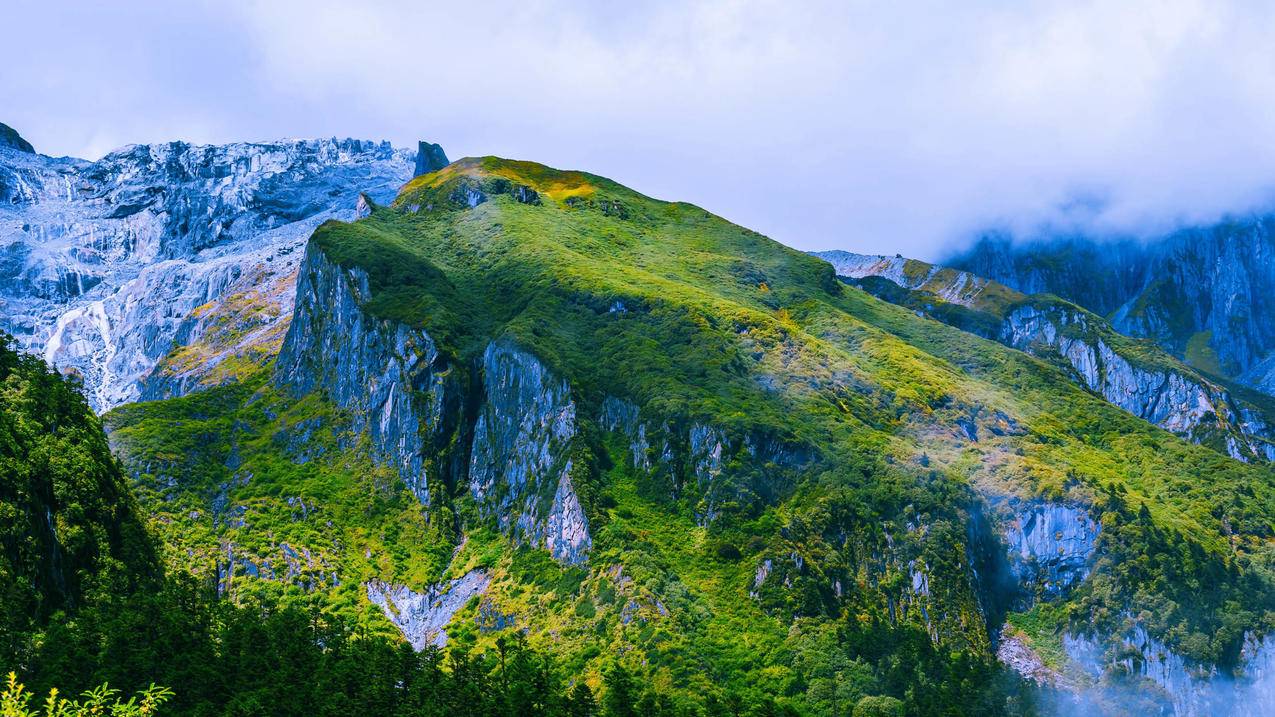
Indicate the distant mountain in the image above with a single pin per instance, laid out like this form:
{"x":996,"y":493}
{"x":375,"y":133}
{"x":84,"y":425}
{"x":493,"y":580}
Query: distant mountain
{"x":159,"y":267}
{"x":1206,"y":294}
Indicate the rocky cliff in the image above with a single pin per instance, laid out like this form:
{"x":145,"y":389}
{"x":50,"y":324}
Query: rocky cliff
{"x":520,"y":465}
{"x":10,"y":139}
{"x":1206,"y":294}
{"x":389,"y":377}
{"x":107,"y":267}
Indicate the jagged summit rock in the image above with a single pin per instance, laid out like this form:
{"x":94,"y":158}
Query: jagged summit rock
{"x":10,"y":138}
{"x":429,"y":158}
{"x":108,"y":267}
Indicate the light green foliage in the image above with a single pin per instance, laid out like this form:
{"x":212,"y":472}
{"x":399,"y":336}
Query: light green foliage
{"x":15,"y":701}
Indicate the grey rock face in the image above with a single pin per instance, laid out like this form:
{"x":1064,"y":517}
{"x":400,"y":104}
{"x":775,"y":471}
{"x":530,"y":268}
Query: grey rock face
{"x":1177,"y":402}
{"x":1050,"y":547}
{"x":1215,"y":283}
{"x":423,"y":617}
{"x":429,"y":158}
{"x":106,"y":266}
{"x":959,"y":287}
{"x":520,"y":456}
{"x":368,"y":366}
{"x":10,"y":139}
{"x":1192,"y":690}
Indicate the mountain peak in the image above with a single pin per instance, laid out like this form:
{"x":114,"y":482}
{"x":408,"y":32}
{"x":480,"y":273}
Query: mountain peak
{"x":429,"y":158}
{"x":9,"y":137}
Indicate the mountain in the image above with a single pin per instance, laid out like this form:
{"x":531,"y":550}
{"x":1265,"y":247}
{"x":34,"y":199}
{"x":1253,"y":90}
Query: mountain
{"x":10,"y":139}
{"x":1203,"y":293}
{"x":1136,"y":375}
{"x":519,"y":399}
{"x":159,"y":268}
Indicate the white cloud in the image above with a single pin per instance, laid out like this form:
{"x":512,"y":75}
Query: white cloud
{"x":871,"y":126}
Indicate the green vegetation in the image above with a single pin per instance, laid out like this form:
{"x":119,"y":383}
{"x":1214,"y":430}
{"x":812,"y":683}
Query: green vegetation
{"x":828,"y":567}
{"x":69,"y":527}
{"x":15,"y":701}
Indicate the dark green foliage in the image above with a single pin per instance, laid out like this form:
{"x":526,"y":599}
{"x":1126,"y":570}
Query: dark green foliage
{"x":69,"y":528}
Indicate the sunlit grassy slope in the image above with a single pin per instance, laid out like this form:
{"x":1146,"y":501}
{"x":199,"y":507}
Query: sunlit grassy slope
{"x":695,"y":319}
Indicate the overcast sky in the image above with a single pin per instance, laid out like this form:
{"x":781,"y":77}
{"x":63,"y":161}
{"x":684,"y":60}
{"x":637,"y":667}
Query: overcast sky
{"x":874,"y":126}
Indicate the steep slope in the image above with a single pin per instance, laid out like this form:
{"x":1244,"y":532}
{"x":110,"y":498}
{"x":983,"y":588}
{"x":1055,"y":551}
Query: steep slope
{"x":522,"y":398}
{"x":107,"y":267}
{"x":10,"y":139}
{"x":1206,"y":294}
{"x":1134,"y":375}
{"x":69,"y":527}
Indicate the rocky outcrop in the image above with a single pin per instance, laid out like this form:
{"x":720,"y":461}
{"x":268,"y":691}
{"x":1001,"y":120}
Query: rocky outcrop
{"x":10,"y":139}
{"x":1014,"y":652}
{"x":1161,"y":391}
{"x":107,"y":266}
{"x":520,"y":465}
{"x":390,"y":377}
{"x":1208,"y":286}
{"x":423,"y":617}
{"x":957,"y":287}
{"x":1050,"y":547}
{"x":1177,"y":401}
{"x":1192,"y":690}
{"x":429,"y":158}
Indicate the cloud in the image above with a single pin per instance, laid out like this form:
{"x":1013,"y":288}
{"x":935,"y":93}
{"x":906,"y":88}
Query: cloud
{"x":869,"y":126}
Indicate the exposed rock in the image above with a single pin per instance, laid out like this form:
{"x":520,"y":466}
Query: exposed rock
{"x":1211,"y":285}
{"x":429,"y":158}
{"x":1193,"y":690}
{"x":10,"y":139}
{"x":520,"y":455}
{"x":957,"y":287}
{"x":1014,"y":652}
{"x":390,"y":377}
{"x":423,"y":617}
{"x":1051,"y":547}
{"x":1176,"y":401}
{"x":106,"y":267}
{"x":620,"y":415}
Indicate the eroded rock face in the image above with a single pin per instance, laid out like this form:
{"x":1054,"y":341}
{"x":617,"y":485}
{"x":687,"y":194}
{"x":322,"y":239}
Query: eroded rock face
{"x":1191,"y":690}
{"x":368,"y":366}
{"x":1214,"y":285}
{"x":1177,"y":402}
{"x":520,"y":466}
{"x":107,"y":266}
{"x":957,"y":287}
{"x":1050,"y":547}
{"x":423,"y":616}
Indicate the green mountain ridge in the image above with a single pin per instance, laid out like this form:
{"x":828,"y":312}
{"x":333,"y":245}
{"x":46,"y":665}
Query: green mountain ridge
{"x":660,"y":439}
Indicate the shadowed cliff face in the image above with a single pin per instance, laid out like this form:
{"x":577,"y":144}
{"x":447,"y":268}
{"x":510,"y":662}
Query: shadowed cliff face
{"x":106,"y":267}
{"x":1205,"y":294}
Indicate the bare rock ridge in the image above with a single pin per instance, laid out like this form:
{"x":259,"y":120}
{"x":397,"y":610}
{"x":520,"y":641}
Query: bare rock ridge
{"x":429,"y":158}
{"x":144,"y":271}
{"x":9,"y":138}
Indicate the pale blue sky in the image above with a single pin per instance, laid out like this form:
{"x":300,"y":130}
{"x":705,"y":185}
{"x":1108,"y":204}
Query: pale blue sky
{"x":887,"y":127}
